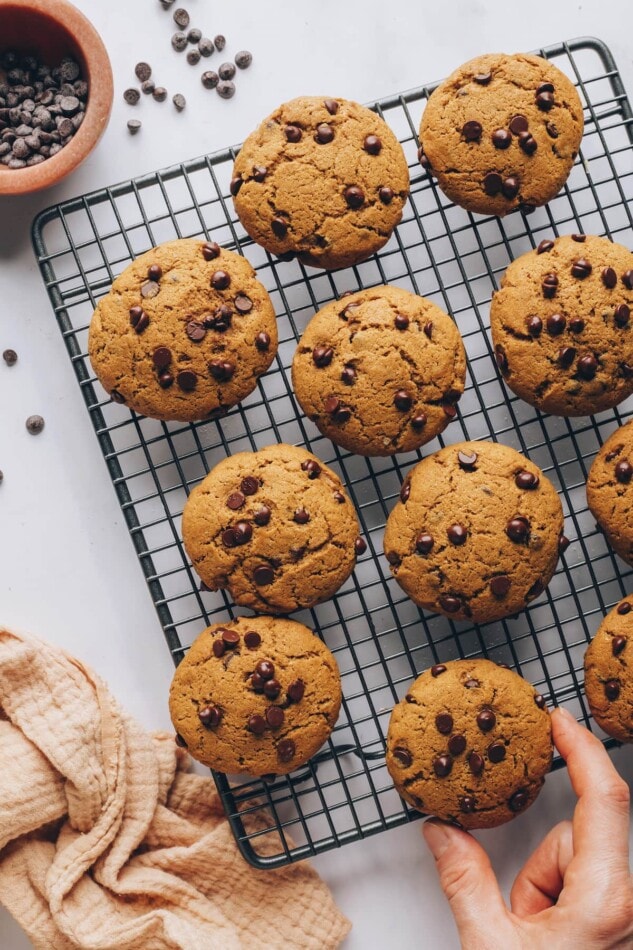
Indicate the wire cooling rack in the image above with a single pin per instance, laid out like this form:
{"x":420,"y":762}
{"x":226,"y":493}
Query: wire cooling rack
{"x":380,"y":638}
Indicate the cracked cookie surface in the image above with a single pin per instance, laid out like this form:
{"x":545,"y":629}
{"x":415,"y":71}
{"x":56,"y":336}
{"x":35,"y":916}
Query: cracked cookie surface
{"x":323,"y":179}
{"x":609,"y":672}
{"x":185,"y":332}
{"x":274,"y":527}
{"x":476,"y":533}
{"x":502,"y":132}
{"x":610,"y":490}
{"x":561,"y":325}
{"x":380,"y":371}
{"x":258,"y":695}
{"x":470,"y":743}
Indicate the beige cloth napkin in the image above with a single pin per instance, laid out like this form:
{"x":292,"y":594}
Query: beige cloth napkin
{"x":107,"y":842}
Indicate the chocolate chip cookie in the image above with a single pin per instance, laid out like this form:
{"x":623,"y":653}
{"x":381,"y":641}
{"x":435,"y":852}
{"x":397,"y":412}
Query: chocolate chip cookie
{"x":471,"y":743}
{"x":609,"y":672}
{"x":610,"y":490}
{"x":185,"y":332}
{"x":273,"y":527}
{"x":477,"y":532}
{"x":380,"y":371}
{"x":561,"y":325}
{"x":322,"y":179}
{"x":502,"y":132}
{"x":258,"y":695}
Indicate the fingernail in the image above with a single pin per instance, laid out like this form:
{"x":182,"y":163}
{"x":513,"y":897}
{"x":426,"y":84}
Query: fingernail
{"x":437,"y":837}
{"x":561,"y":711}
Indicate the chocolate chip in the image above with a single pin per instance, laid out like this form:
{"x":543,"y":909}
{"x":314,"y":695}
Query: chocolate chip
{"x":261,"y":518}
{"x":627,"y":370}
{"x":450,"y":604}
{"x":286,"y":750}
{"x":534,"y":326}
{"x":424,"y":543}
{"x":624,"y":607}
{"x":243,"y":59}
{"x":187,"y":380}
{"x":222,"y":370}
{"x":624,"y":472}
{"x":242,"y":532}
{"x":35,"y":424}
{"x":211,"y":250}
{"x":518,"y":124}
{"x":518,"y":528}
{"x":131,"y":96}
{"x":486,"y":720}
{"x":193,"y":57}
{"x":617,"y":645}
{"x":257,"y":683}
{"x":442,"y":766}
{"x":472,"y":683}
{"x":518,"y":801}
{"x":275,"y":716}
{"x":279,"y":227}
{"x":581,"y":268}
{"x":293,"y":133}
{"x":444,"y":723}
{"x":322,"y":356}
{"x":587,"y":366}
{"x":609,"y":277}
{"x":549,"y":285}
{"x":539,"y":700}
{"x":627,"y":279}
{"x":150,"y":289}
{"x":467,"y":804}
{"x":402,"y":400}
{"x":179,"y":102}
{"x":252,"y":639}
{"x":456,"y":744}
{"x":336,"y":409}
{"x":556,"y":323}
{"x":143,"y":71}
{"x":544,"y":246}
{"x":545,"y":101}
{"x":476,"y":763}
{"x":272,"y":688}
{"x":563,"y":544}
{"x":331,"y":105}
{"x":324,"y":133}
{"x":220,"y":42}
{"x":496,"y":752}
{"x":348,"y":375}
{"x":372,"y":144}
{"x":165,"y":379}
{"x":262,"y":341}
{"x":236,"y":184}
{"x":147,"y":87}
{"x":181,"y":18}
{"x":159,"y":94}
{"x":622,"y":315}
{"x":535,"y":590}
{"x":576,"y":325}
{"x":457,"y":534}
{"x":265,"y":669}
{"x":500,"y":585}
{"x":423,"y":159}
{"x":117,"y":396}
{"x":552,"y":130}
{"x":482,"y":79}
{"x":301,"y":516}
{"x":296,"y":690}
{"x":259,"y":173}
{"x":566,"y":356}
{"x":249,"y":485}
{"x":10,"y":357}
{"x":438,"y":669}
{"x":493,"y":183}
{"x":501,"y":138}
{"x":257,"y":725}
{"x":235,"y":500}
{"x":525,"y":479}
{"x":210,"y":716}
{"x":402,"y":756}
{"x":195,"y":331}
{"x":401,"y":321}
{"x":220,"y":280}
{"x":510,"y":187}
{"x":180,"y":741}
{"x":418,"y":422}
{"x":467,"y":460}
{"x":210,"y":80}
{"x":354,"y":196}
{"x":612,"y":690}
{"x":472,"y":131}
{"x":449,"y":409}
{"x":501,"y":358}
{"x":263,"y":575}
{"x":386,"y":194}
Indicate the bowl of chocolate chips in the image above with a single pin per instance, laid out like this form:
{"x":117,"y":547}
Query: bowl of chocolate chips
{"x":55,"y":92}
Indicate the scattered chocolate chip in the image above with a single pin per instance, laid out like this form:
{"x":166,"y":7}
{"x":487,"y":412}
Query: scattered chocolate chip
{"x":534,"y":326}
{"x":226,"y":71}
{"x":549,"y":285}
{"x":265,"y":669}
{"x":225,"y":89}
{"x":194,"y":35}
{"x":249,"y":485}
{"x":401,"y":321}
{"x":117,"y":396}
{"x":179,"y":41}
{"x":165,"y":379}
{"x":424,"y":543}
{"x":252,"y":639}
{"x":210,"y":80}
{"x":444,"y":723}
{"x":210,"y":716}
{"x":486,"y":720}
{"x":195,"y":331}
{"x":493,"y":184}
{"x":472,"y":683}
{"x":405,"y":491}
{"x":475,"y":763}
{"x":211,"y":250}
{"x":336,"y":409}
{"x":386,"y":194}
{"x":510,"y":187}
{"x":402,"y":400}
{"x":243,"y":59}
{"x":501,"y":138}
{"x":279,"y":227}
{"x":472,"y":131}
{"x":563,"y":544}
{"x":500,"y":585}
{"x":482,"y":79}
{"x":222,"y":370}
{"x":301,"y":516}
{"x":220,"y":280}
{"x":354,"y":196}
{"x":622,"y":315}
{"x":539,"y":700}
{"x":286,"y":750}
{"x":518,"y":528}
{"x":257,"y":725}
{"x":348,"y":375}
{"x":150,"y":289}
{"x":193,"y":57}
{"x":449,"y":409}
{"x":627,"y":279}
{"x":438,"y":669}
{"x":159,"y":94}
{"x":372,"y":144}
{"x":535,"y":590}
{"x":35,"y":424}
{"x":442,"y":766}
{"x":181,"y":18}
{"x":322,"y":356}
{"x":545,"y":100}
{"x":257,"y":683}
{"x":518,"y":124}
{"x":235,"y":500}
{"x":624,"y":472}
{"x":272,"y":688}
{"x":518,"y":801}
{"x":360,"y":546}
{"x":545,"y":246}
{"x":496,"y":752}
{"x":624,"y":607}
{"x":179,"y":101}
{"x":456,"y":744}
{"x":576,"y":325}
{"x":293,"y":133}
{"x":263,"y":575}
{"x":612,"y":689}
{"x":324,"y":133}
{"x":467,"y":804}
{"x":402,"y":756}
{"x":467,"y":460}
{"x":566,"y":356}
{"x":556,"y":323}
{"x":187,"y":380}
{"x":423,"y":159}
{"x":220,"y":42}
{"x":450,"y":604}
{"x":242,"y":532}
{"x":180,"y":741}
{"x":131,"y":96}
{"x":339,"y":497}
{"x":296,"y":690}
{"x":261,"y":518}
{"x":133,"y":126}
{"x":206,"y":47}
{"x":581,"y":268}
{"x":275,"y":716}
{"x":587,"y":366}
{"x":331,"y":105}
{"x":627,"y":370}
{"x":457,"y":534}
{"x":262,"y":341}
{"x":418,"y":422}
{"x":10,"y":357}
{"x":617,"y":645}
{"x":143,"y":71}
{"x":528,"y":143}
{"x":501,"y":358}
{"x":243,"y":303}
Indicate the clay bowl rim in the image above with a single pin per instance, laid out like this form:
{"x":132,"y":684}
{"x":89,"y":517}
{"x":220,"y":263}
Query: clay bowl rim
{"x":97,"y":70}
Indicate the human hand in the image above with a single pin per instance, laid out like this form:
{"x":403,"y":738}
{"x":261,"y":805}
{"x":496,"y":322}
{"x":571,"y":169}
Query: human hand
{"x":575,"y":890}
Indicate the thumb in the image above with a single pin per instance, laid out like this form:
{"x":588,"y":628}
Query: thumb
{"x":469,"y":883}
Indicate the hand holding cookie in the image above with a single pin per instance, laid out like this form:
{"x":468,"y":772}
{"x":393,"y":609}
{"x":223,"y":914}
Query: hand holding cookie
{"x":576,"y":889}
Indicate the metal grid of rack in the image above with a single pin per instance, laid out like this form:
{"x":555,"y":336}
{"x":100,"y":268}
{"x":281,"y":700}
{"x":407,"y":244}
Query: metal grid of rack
{"x":380,"y":638}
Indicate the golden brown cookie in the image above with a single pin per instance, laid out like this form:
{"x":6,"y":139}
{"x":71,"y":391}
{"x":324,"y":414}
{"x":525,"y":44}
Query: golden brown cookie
{"x":325,"y":179}
{"x":502,"y":132}
{"x":471,"y":743}
{"x":476,"y":533}
{"x":609,"y":672}
{"x":185,"y":332}
{"x":380,"y":371}
{"x":258,"y":695}
{"x":561,"y":325}
{"x":273,"y":527}
{"x":610,"y":490}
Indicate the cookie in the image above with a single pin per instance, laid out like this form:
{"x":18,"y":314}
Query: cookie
{"x":323,"y":179}
{"x":471,"y":743}
{"x":476,"y":533}
{"x":380,"y":371}
{"x":258,"y":695}
{"x":561,"y":325}
{"x":610,"y":491}
{"x":274,"y":527}
{"x":185,"y":332}
{"x":502,"y":132}
{"x":609,"y":672}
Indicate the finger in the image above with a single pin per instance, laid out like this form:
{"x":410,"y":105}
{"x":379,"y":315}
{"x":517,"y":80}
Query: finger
{"x":468,"y":881}
{"x":540,"y":880}
{"x":601,"y":817}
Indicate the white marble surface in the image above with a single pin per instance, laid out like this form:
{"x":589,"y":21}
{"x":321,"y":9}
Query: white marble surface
{"x":67,"y":569}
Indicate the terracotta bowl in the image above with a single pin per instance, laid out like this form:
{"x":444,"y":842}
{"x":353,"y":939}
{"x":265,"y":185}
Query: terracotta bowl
{"x":52,"y":29}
